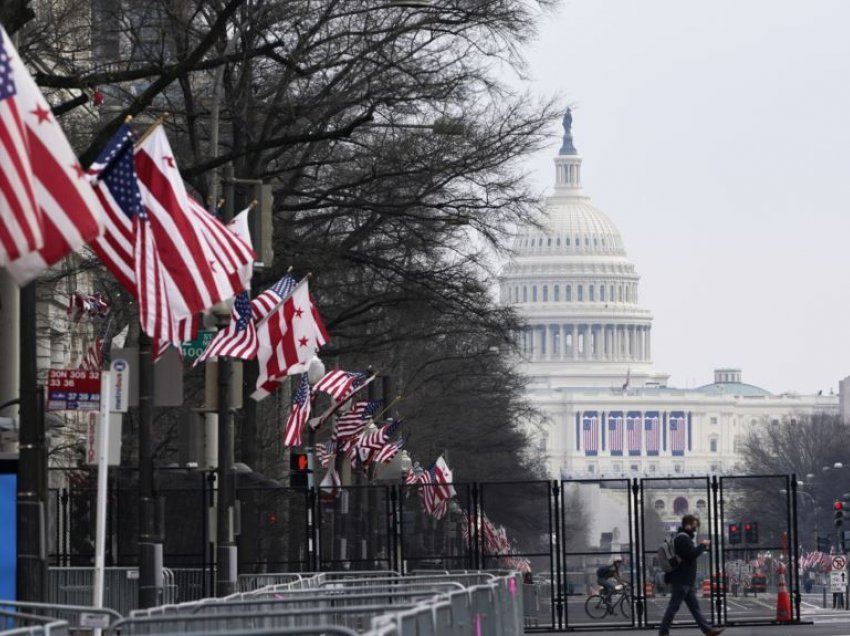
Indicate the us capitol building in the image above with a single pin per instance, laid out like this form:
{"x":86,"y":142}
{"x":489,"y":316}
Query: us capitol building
{"x":587,"y":351}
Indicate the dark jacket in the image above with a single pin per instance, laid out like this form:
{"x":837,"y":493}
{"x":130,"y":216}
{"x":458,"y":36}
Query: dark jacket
{"x":688,"y":553}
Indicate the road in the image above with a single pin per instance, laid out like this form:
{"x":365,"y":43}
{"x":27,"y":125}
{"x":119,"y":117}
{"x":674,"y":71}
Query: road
{"x":763,"y":607}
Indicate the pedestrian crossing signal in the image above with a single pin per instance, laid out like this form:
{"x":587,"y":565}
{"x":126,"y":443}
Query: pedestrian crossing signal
{"x":298,"y":470}
{"x":734,"y":534}
{"x":751,"y":532}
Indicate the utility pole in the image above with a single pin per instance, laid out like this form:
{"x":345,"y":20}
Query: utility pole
{"x":226,"y":550}
{"x":32,"y":471}
{"x":150,"y":543}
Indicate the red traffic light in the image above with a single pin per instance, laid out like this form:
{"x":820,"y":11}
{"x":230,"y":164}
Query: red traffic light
{"x":838,"y":505}
{"x":748,"y":527}
{"x":733,"y":528}
{"x":302,"y":462}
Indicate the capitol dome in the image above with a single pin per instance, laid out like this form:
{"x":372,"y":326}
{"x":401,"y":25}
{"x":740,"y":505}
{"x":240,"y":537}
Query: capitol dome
{"x":572,"y":282}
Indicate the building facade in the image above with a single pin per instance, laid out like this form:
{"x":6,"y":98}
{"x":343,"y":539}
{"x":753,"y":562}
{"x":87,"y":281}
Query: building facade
{"x":587,"y":352}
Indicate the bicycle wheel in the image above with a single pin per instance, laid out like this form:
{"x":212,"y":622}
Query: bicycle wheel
{"x":595,"y":606}
{"x":626,"y":605}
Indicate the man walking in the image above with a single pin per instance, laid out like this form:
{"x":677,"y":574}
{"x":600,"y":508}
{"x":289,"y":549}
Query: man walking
{"x":682,"y":579}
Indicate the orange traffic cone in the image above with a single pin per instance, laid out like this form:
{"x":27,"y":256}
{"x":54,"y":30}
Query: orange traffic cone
{"x":783,"y":602}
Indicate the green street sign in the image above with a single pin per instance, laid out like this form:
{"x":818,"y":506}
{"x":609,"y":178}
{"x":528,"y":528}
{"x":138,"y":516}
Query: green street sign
{"x":192,"y":349}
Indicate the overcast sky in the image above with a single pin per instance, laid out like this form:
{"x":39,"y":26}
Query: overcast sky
{"x":716,"y":135}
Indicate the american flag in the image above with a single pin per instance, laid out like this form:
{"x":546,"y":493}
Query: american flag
{"x":590,"y":428}
{"x":441,"y":507}
{"x":652,"y":426}
{"x":47,"y":207}
{"x":299,"y":412}
{"x":82,"y":305}
{"x":634,"y":428}
{"x":202,"y":259}
{"x":239,"y":338}
{"x":377,"y":439}
{"x":410,"y":477}
{"x":288,"y":338}
{"x":677,"y":432}
{"x":324,"y":452}
{"x":20,"y":218}
{"x":352,"y":423}
{"x":427,"y":491}
{"x":93,"y":358}
{"x":615,"y":432}
{"x":389,"y":451}
{"x":341,"y":384}
{"x":263,"y":304}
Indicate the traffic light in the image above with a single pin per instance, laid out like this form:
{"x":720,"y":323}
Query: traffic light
{"x":751,"y":532}
{"x":734,"y":534}
{"x":298,"y":470}
{"x":838,"y":506}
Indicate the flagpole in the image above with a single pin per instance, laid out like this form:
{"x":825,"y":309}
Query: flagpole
{"x":156,"y":124}
{"x":225,"y":544}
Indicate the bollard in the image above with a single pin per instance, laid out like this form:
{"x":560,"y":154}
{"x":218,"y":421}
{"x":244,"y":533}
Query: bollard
{"x":824,"y":596}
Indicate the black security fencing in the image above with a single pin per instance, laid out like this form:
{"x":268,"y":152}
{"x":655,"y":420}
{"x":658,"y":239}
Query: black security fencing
{"x":565,"y":531}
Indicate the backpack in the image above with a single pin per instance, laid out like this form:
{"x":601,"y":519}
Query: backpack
{"x":667,"y":559}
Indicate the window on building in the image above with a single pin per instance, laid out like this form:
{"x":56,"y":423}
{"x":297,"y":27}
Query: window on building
{"x":578,"y":242}
{"x":557,"y":290}
{"x":579,"y":293}
{"x":635,"y":468}
{"x":753,"y":421}
{"x":701,"y":505}
{"x":713,"y":420}
{"x":774,"y":421}
{"x":677,"y":468}
{"x":586,"y":242}
{"x":558,"y":242}
{"x":549,"y":242}
{"x":659,"y":504}
{"x":680,"y":504}
{"x":621,"y":293}
{"x":567,"y":241}
{"x":602,"y":293}
{"x":545,"y":293}
{"x":611,"y":293}
{"x":568,"y":293}
{"x":534,"y":293}
{"x":591,"y":468}
{"x":712,"y":444}
{"x":653,"y":468}
{"x":524,"y":294}
{"x":714,"y":468}
{"x":590,"y":293}
{"x":617,"y":467}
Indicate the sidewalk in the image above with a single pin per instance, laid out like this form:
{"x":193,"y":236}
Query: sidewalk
{"x":831,"y":629}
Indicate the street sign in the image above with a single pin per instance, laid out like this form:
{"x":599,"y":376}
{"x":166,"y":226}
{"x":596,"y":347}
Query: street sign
{"x":837,"y":581}
{"x":73,"y":390}
{"x":839,"y":562}
{"x":120,"y":385}
{"x":192,"y":349}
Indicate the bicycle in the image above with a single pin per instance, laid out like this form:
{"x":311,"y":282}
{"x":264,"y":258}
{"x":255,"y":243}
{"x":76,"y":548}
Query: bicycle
{"x":598,"y":606}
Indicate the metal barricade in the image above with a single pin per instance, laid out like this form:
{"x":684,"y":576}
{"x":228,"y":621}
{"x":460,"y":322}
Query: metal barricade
{"x":75,"y":586}
{"x":49,"y":618}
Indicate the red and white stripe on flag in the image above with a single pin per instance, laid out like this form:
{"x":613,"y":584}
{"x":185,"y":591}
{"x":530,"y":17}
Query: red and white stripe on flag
{"x":202,"y":258}
{"x":677,"y":432}
{"x":615,"y":432}
{"x":288,"y":338}
{"x":590,"y":428}
{"x":634,"y":429}
{"x":47,"y":206}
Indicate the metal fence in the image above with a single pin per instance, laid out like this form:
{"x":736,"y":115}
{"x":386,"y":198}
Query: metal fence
{"x":565,"y":529}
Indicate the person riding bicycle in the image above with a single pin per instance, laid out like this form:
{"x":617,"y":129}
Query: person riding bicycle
{"x":608,"y":577}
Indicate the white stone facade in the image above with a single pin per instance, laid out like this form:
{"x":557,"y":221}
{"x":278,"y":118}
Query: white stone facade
{"x":588,"y":355}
